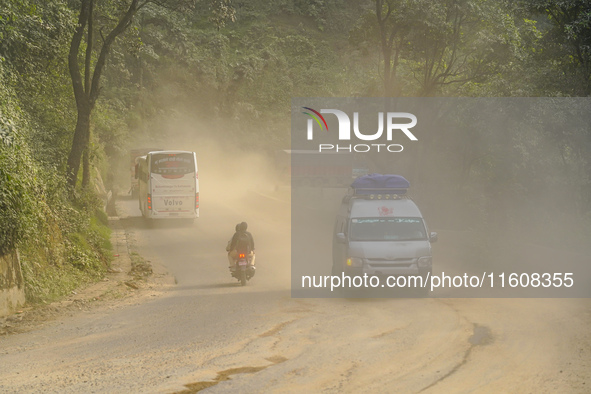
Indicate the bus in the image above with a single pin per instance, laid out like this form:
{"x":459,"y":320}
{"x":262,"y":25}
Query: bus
{"x":168,"y":185}
{"x":134,"y":154}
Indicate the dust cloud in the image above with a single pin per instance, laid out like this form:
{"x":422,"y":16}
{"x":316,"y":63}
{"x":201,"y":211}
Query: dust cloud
{"x":500,"y":195}
{"x":238,"y":180}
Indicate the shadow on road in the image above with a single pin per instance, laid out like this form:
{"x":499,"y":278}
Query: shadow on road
{"x":125,"y":197}
{"x":210,"y":286}
{"x":139,"y":222}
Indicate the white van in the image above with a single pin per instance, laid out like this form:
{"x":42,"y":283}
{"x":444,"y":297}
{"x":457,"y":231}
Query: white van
{"x":381,"y":232}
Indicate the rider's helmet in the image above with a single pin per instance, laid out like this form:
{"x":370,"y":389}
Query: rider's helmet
{"x":243,"y":226}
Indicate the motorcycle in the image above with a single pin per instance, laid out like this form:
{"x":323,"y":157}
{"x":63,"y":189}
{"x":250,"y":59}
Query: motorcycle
{"x":244,"y":270}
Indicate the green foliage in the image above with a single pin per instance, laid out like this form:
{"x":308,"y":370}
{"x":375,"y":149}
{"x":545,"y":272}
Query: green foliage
{"x":33,"y":44}
{"x":70,"y":249}
{"x":60,"y":245}
{"x":17,"y":181}
{"x":428,"y":48}
{"x":221,"y":12}
{"x":564,"y":49}
{"x":242,"y":75}
{"x":32,"y":33}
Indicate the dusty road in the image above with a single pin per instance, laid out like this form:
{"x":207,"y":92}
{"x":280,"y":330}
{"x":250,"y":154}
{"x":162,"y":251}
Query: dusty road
{"x":206,"y":332}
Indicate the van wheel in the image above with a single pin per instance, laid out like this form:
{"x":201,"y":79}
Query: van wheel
{"x":422,"y":292}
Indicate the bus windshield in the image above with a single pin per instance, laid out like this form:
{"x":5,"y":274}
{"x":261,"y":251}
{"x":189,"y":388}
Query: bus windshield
{"x":172,"y":163}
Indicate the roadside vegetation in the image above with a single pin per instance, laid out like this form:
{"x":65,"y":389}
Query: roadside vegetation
{"x":234,"y":66}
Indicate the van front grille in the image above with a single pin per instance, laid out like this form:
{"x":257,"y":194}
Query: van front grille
{"x":396,"y":263}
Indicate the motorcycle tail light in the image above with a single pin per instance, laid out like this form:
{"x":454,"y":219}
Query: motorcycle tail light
{"x":241,"y":255}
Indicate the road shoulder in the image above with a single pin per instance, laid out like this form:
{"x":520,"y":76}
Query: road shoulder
{"x":129,"y":280}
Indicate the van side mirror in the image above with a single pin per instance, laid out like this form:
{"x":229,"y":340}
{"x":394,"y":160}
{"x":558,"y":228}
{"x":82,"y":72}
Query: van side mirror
{"x":341,"y":238}
{"x":433,"y":237}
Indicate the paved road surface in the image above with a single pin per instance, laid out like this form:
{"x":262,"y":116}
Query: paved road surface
{"x":206,"y":332}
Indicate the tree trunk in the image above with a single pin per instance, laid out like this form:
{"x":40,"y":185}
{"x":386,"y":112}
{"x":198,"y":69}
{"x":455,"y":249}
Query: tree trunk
{"x":86,"y":166}
{"x":79,"y":144}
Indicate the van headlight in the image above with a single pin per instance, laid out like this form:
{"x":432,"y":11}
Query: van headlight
{"x":425,"y":262}
{"x":354,"y":262}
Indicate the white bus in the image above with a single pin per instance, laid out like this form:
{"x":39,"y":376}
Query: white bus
{"x":134,"y":155}
{"x":168,"y":185}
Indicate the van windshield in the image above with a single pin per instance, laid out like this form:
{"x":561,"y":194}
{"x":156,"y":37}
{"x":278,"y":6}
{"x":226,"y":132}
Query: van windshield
{"x":387,"y":229}
{"x":172,"y":163}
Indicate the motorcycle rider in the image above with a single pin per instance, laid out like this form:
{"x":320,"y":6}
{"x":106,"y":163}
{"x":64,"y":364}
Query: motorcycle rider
{"x":242,"y":241}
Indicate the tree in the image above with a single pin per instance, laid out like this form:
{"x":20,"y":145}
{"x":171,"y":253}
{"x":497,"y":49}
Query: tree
{"x":87,"y":86}
{"x":449,"y":42}
{"x":87,"y":90}
{"x":394,"y":25}
{"x":458,"y":41}
{"x":568,"y":42}
{"x":386,"y":28}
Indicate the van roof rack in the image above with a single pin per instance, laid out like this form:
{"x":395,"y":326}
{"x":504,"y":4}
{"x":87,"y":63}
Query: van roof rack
{"x":378,"y":187}
{"x":375,"y":194}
